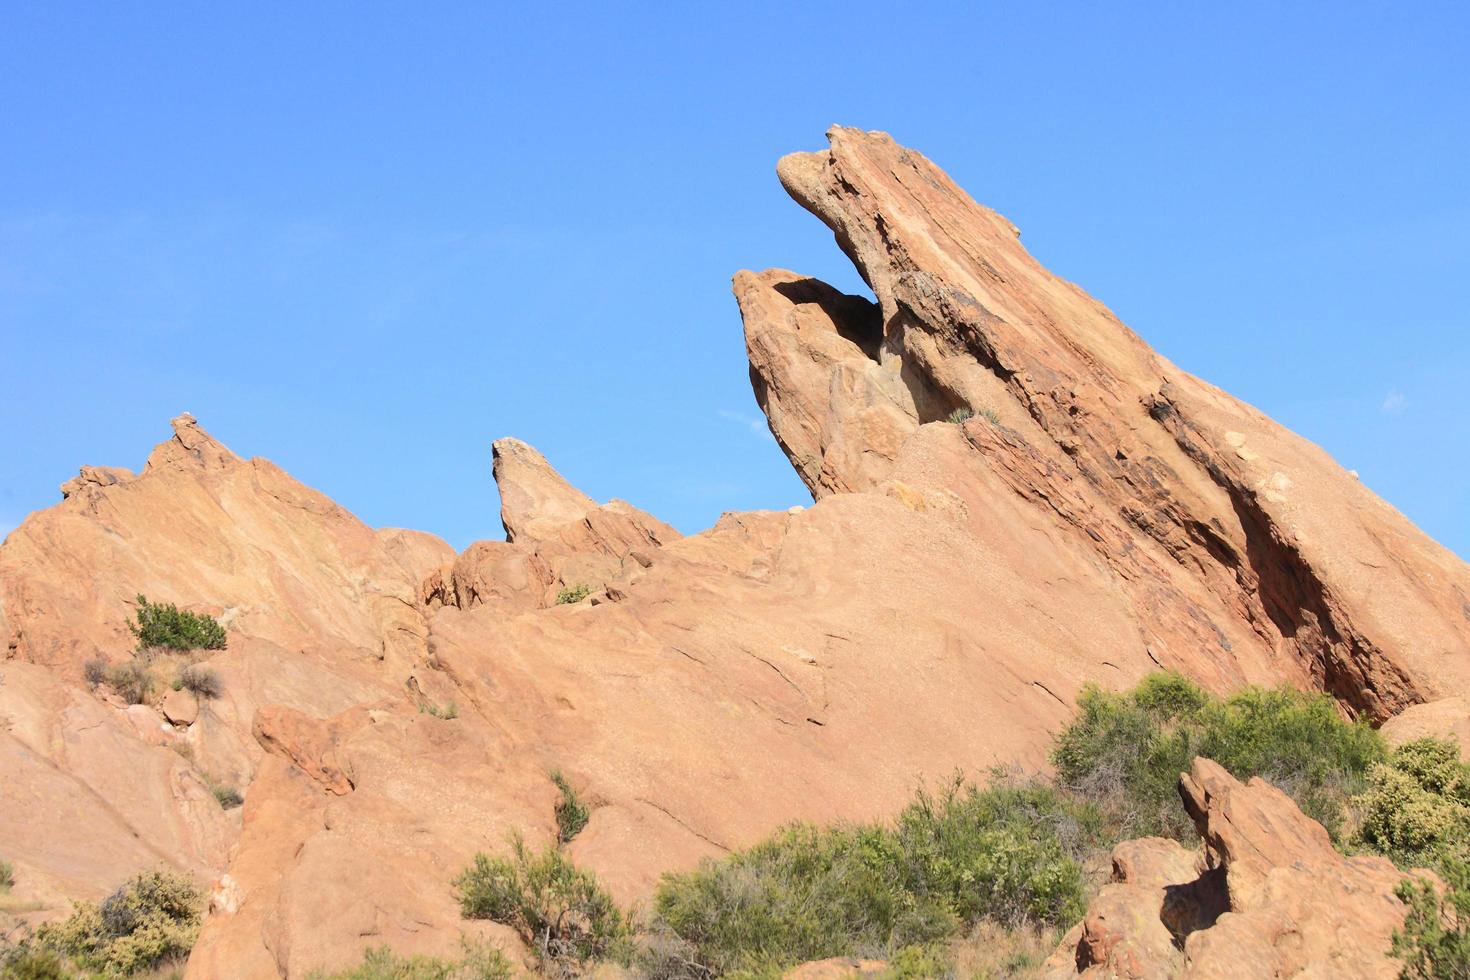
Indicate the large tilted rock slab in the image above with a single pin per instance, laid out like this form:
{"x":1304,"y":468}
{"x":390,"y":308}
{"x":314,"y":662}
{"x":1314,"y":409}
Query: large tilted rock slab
{"x":1269,"y":532}
{"x":1267,"y":896}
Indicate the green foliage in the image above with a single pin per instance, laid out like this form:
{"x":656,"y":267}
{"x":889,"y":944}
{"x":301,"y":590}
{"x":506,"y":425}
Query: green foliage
{"x":573,"y":593}
{"x":449,"y":712}
{"x":1435,"y":940}
{"x":28,"y":961}
{"x":151,"y":918}
{"x":571,"y":813}
{"x":1007,"y":853}
{"x":1416,"y":809}
{"x":203,"y":681}
{"x":228,"y":796}
{"x":479,"y":962}
{"x":561,"y":912}
{"x":1126,"y":751}
{"x":165,"y":625}
{"x":960,"y":415}
{"x":133,"y":681}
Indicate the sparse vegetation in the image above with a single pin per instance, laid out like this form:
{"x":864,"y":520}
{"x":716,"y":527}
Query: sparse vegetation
{"x":1434,"y":942}
{"x":133,"y":680}
{"x":478,"y":962}
{"x":573,"y":593}
{"x":571,"y":813}
{"x":228,"y":796}
{"x":7,"y":875}
{"x":159,"y":624}
{"x":1126,"y":751}
{"x":560,"y":911}
{"x":204,"y":682}
{"x":151,"y":919}
{"x":95,"y":671}
{"x":960,"y":416}
{"x":448,"y":712}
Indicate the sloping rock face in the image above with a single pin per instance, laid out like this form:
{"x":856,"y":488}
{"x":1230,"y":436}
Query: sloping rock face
{"x":1268,"y":896}
{"x":1246,"y":544}
{"x":939,"y":607}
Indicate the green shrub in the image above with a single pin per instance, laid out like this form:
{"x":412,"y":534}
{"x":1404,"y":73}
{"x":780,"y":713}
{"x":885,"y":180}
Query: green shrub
{"x":228,"y":796}
{"x":133,"y":681}
{"x":152,"y":918}
{"x":573,"y":593}
{"x":571,"y":813}
{"x":960,"y":415}
{"x":449,"y":712}
{"x":479,"y":962}
{"x":7,"y":876}
{"x":27,"y":961}
{"x":203,"y":681}
{"x":165,"y":625}
{"x":1434,"y":942}
{"x":1416,"y":809}
{"x":1007,"y":853}
{"x":1126,"y":751}
{"x":561,"y":912}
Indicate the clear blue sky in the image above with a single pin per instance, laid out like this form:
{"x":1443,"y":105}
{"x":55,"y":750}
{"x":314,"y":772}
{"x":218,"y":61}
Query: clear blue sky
{"x":363,"y":240}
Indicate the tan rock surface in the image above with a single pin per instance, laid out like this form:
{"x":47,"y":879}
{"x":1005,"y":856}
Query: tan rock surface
{"x":1268,"y":896}
{"x":939,"y":607}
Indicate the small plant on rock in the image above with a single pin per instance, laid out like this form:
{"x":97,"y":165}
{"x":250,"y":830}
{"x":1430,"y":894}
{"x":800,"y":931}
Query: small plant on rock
{"x":160,"y":624}
{"x":960,"y":416}
{"x":152,"y":918}
{"x":573,"y":593}
{"x":133,"y":681}
{"x":560,"y":911}
{"x":95,"y":671}
{"x":571,"y":813}
{"x":228,"y":797}
{"x":1435,"y":940}
{"x":203,"y":682}
{"x":7,"y":876}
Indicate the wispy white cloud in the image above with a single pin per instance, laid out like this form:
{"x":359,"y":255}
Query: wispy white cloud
{"x":1394,"y":403}
{"x":756,"y":425}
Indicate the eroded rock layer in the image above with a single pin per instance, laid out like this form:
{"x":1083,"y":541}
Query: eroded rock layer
{"x":388,"y":708}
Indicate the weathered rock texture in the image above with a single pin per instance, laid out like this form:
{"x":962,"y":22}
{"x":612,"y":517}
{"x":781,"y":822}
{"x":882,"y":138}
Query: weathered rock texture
{"x":1268,"y":896}
{"x":939,"y":607}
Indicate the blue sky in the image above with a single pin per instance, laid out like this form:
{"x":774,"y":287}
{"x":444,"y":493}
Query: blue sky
{"x":364,"y":240}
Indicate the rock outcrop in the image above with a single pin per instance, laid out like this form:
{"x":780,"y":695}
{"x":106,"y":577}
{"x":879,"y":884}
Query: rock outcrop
{"x":1267,"y":896}
{"x":388,"y":708}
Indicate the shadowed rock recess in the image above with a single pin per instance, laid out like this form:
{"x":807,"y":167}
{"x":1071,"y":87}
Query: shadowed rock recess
{"x":1099,"y":514}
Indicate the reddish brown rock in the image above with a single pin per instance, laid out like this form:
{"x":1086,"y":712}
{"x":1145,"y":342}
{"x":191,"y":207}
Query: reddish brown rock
{"x":1268,"y":896}
{"x":939,"y":607}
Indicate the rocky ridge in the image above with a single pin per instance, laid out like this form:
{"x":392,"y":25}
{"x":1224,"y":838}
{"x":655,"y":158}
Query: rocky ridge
{"x":1097,"y":514}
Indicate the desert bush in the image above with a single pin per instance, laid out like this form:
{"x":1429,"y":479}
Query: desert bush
{"x":448,"y":712}
{"x":28,"y":961}
{"x":1007,"y":853}
{"x":133,"y":680}
{"x":571,"y":813}
{"x":203,"y":682}
{"x":1126,"y":751}
{"x":161,"y":624}
{"x":573,"y":593}
{"x":479,"y":962}
{"x":228,"y":797}
{"x":1434,"y":942}
{"x":152,"y":918}
{"x":960,"y":415}
{"x":1416,"y":809}
{"x":95,"y":671}
{"x":7,"y":876}
{"x":560,"y":911}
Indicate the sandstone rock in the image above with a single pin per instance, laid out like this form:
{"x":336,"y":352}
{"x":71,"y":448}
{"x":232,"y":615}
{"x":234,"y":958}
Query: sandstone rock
{"x":939,"y":607}
{"x":1446,"y":718}
{"x":837,"y":968}
{"x":1268,"y":896}
{"x":180,"y":707}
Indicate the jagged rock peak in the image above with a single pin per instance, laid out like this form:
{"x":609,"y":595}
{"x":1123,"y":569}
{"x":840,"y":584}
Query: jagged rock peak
{"x":190,"y":446}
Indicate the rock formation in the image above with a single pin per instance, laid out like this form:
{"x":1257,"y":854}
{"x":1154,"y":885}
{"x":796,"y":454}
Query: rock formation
{"x":1100,"y":515}
{"x":1268,"y":896}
